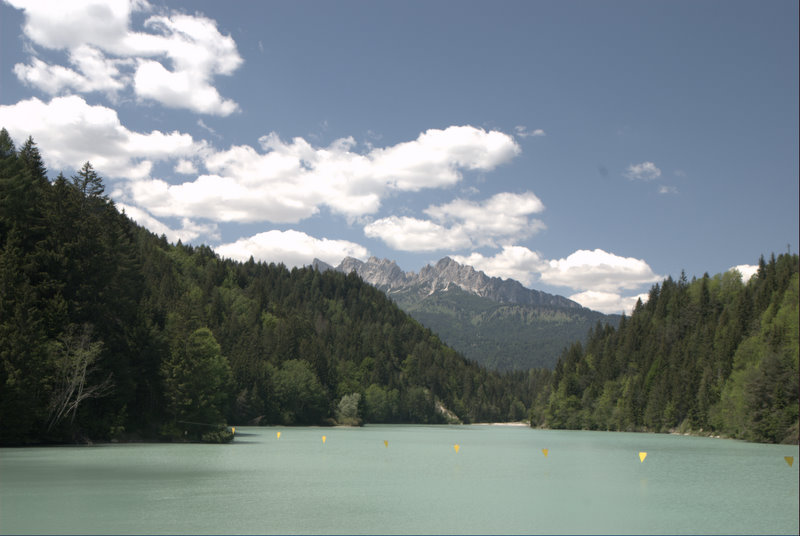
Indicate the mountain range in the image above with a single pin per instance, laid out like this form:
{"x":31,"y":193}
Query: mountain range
{"x":497,"y":322}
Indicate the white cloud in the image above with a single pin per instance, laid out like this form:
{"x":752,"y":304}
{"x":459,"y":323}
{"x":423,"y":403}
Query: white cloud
{"x":607,"y":302}
{"x":290,"y":181}
{"x":598,"y":270}
{"x":646,"y":171}
{"x":599,"y":277}
{"x":523,"y":132}
{"x":747,"y":271}
{"x":502,"y":215}
{"x":293,"y":248}
{"x":69,"y":132}
{"x":180,"y":89}
{"x":667,"y":190}
{"x":435,"y":157}
{"x":460,"y":224}
{"x":58,"y":25}
{"x":185,"y":167}
{"x":284,"y":182}
{"x":411,"y":234}
{"x":189,"y":231}
{"x":221,"y":199}
{"x":95,"y":73}
{"x":191,"y":45}
{"x":513,"y":262}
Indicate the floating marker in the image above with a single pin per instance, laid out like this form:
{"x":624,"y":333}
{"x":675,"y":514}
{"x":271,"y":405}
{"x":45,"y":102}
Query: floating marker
{"x":456,"y":447}
{"x":279,"y":435}
{"x":642,"y":456}
{"x":545,"y":452}
{"x":385,"y":443}
{"x":324,"y":438}
{"x":789,"y":460}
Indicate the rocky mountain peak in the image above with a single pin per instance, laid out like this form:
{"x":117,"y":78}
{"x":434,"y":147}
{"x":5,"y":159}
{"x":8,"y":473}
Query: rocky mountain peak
{"x":320,"y":265}
{"x":381,"y":273}
{"x":387,"y":276}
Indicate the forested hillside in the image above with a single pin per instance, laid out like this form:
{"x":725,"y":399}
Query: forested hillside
{"x":713,"y":354}
{"x":109,"y":331}
{"x":495,"y":322}
{"x":503,"y":336}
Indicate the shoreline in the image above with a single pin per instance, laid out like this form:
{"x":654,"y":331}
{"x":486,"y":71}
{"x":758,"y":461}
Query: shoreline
{"x":516,"y":423}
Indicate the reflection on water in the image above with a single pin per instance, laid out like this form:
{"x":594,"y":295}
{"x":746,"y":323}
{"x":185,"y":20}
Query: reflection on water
{"x":404,"y":479}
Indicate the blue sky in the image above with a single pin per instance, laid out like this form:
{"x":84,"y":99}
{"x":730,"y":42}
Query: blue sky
{"x":587,"y":149}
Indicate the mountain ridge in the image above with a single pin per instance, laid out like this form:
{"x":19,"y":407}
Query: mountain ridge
{"x":386,"y":275}
{"x":498,"y":323}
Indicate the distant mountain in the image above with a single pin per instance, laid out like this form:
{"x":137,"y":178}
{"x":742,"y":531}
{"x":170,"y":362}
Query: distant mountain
{"x":496,"y":322}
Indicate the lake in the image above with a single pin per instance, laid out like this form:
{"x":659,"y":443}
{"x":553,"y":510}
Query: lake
{"x":386,"y":479}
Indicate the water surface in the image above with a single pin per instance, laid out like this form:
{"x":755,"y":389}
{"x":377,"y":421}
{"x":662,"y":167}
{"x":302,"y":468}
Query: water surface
{"x":499,"y":482}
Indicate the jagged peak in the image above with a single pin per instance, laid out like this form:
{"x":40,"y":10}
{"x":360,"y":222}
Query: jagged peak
{"x":349,"y":264}
{"x":320,"y":265}
{"x":386,"y":274}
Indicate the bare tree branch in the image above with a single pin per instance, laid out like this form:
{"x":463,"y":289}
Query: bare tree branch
{"x":73,"y":356}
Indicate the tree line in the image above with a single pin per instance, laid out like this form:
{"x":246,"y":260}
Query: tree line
{"x":109,"y":331}
{"x":713,"y":354}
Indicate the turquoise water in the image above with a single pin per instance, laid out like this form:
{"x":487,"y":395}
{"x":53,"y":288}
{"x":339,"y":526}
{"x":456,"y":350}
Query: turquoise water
{"x":499,"y":482}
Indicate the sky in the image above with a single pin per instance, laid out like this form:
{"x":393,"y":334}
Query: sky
{"x":586,"y":149}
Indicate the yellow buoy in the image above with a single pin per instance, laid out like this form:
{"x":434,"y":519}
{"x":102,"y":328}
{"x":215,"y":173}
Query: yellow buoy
{"x":324,"y":438}
{"x":642,"y":456}
{"x":545,"y":452}
{"x":385,"y":443}
{"x":789,"y":460}
{"x":279,"y":435}
{"x":456,"y":447}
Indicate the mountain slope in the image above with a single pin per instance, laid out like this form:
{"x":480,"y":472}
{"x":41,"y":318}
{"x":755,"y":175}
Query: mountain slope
{"x":108,"y":331}
{"x":713,"y":354}
{"x":498,"y":323}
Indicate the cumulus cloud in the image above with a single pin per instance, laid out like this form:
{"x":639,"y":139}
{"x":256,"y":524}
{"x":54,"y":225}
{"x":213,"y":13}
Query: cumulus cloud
{"x":601,"y":278}
{"x":513,"y":262}
{"x":94,"y":72}
{"x":172,"y":62}
{"x":747,"y":271}
{"x":185,"y":167}
{"x":607,"y":302}
{"x":289,"y":181}
{"x":411,"y":234}
{"x":69,"y":132}
{"x":293,"y":248}
{"x":462,"y":223}
{"x":667,"y":190}
{"x":221,"y":199}
{"x":189,"y":231}
{"x":436,"y":156}
{"x":646,"y":171}
{"x":279,"y":182}
{"x":598,"y":270}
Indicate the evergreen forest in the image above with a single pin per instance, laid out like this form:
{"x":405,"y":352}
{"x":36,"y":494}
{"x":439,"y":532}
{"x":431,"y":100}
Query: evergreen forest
{"x":503,"y":336}
{"x":108,"y":332}
{"x":712,"y":355}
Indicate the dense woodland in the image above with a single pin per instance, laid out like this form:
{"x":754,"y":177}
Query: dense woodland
{"x":503,"y":336}
{"x":108,"y":331}
{"x":712,"y":355}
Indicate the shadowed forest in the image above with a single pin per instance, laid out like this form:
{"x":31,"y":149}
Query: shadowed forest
{"x":107,"y":331}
